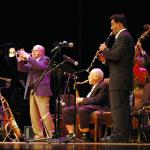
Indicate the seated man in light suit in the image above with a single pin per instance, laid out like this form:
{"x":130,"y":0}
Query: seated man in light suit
{"x":96,"y":99}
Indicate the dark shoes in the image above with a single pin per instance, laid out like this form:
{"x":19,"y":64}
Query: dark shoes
{"x":86,"y":137}
{"x":114,"y":139}
{"x":71,"y":136}
{"x":68,"y":138}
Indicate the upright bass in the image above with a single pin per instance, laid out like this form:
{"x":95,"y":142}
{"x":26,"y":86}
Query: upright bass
{"x":143,"y":36}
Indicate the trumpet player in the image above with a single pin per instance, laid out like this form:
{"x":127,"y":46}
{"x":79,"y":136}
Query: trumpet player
{"x":120,"y":58}
{"x":34,"y":64}
{"x":96,"y":99}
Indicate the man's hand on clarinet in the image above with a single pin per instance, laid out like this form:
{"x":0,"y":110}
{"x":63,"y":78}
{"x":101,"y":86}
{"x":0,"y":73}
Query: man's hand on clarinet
{"x":102,"y":47}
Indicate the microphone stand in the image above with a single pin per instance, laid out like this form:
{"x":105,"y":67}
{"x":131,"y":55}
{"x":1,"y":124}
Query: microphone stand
{"x":62,"y":101}
{"x":83,"y":70}
{"x":45,"y":71}
{"x":75,"y":107}
{"x":88,"y":69}
{"x":47,"y":139}
{"x":75,"y":125}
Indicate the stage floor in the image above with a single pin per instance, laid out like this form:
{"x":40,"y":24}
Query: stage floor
{"x":72,"y":146}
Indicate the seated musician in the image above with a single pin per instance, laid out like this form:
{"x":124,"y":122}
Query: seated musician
{"x":146,"y":95}
{"x":141,"y":74}
{"x":142,"y":82}
{"x":96,"y":99}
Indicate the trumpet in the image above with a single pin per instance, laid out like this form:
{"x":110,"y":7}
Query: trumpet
{"x":13,"y":52}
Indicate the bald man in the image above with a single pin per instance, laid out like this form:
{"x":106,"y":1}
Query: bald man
{"x":34,"y":65}
{"x":96,"y":99}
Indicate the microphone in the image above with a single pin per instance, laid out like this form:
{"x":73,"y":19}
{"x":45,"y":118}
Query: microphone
{"x":62,"y":44}
{"x":54,"y":49}
{"x":66,"y":44}
{"x":70,"y":60}
{"x":70,"y":75}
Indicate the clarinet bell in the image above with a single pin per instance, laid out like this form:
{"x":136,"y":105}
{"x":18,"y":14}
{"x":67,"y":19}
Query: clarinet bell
{"x":101,"y":57}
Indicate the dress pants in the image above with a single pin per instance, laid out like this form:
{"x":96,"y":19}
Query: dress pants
{"x":39,"y":108}
{"x":83,"y":111}
{"x":121,"y":111}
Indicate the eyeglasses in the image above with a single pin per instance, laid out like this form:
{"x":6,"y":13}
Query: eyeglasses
{"x":34,"y":50}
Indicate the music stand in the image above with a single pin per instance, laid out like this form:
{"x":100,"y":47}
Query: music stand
{"x":7,"y":84}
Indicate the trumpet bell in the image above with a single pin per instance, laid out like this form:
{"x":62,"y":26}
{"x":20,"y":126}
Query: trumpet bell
{"x":12,"y":52}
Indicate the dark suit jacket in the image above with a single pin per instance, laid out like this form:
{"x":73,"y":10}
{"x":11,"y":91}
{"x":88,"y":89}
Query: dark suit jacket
{"x":35,"y":69}
{"x":99,"y":96}
{"x":120,"y":58}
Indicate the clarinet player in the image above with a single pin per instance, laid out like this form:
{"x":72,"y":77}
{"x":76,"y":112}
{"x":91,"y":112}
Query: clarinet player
{"x":120,"y":58}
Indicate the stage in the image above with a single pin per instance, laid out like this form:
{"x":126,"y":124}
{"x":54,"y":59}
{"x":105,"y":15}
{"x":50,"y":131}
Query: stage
{"x":72,"y":146}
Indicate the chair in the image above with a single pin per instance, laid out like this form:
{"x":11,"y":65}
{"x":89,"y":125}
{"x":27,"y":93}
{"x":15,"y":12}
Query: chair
{"x":98,"y":119}
{"x":144,"y":124}
{"x":136,"y":105}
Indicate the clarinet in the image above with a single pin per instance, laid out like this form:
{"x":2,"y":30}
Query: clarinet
{"x":99,"y":53}
{"x":108,"y":38}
